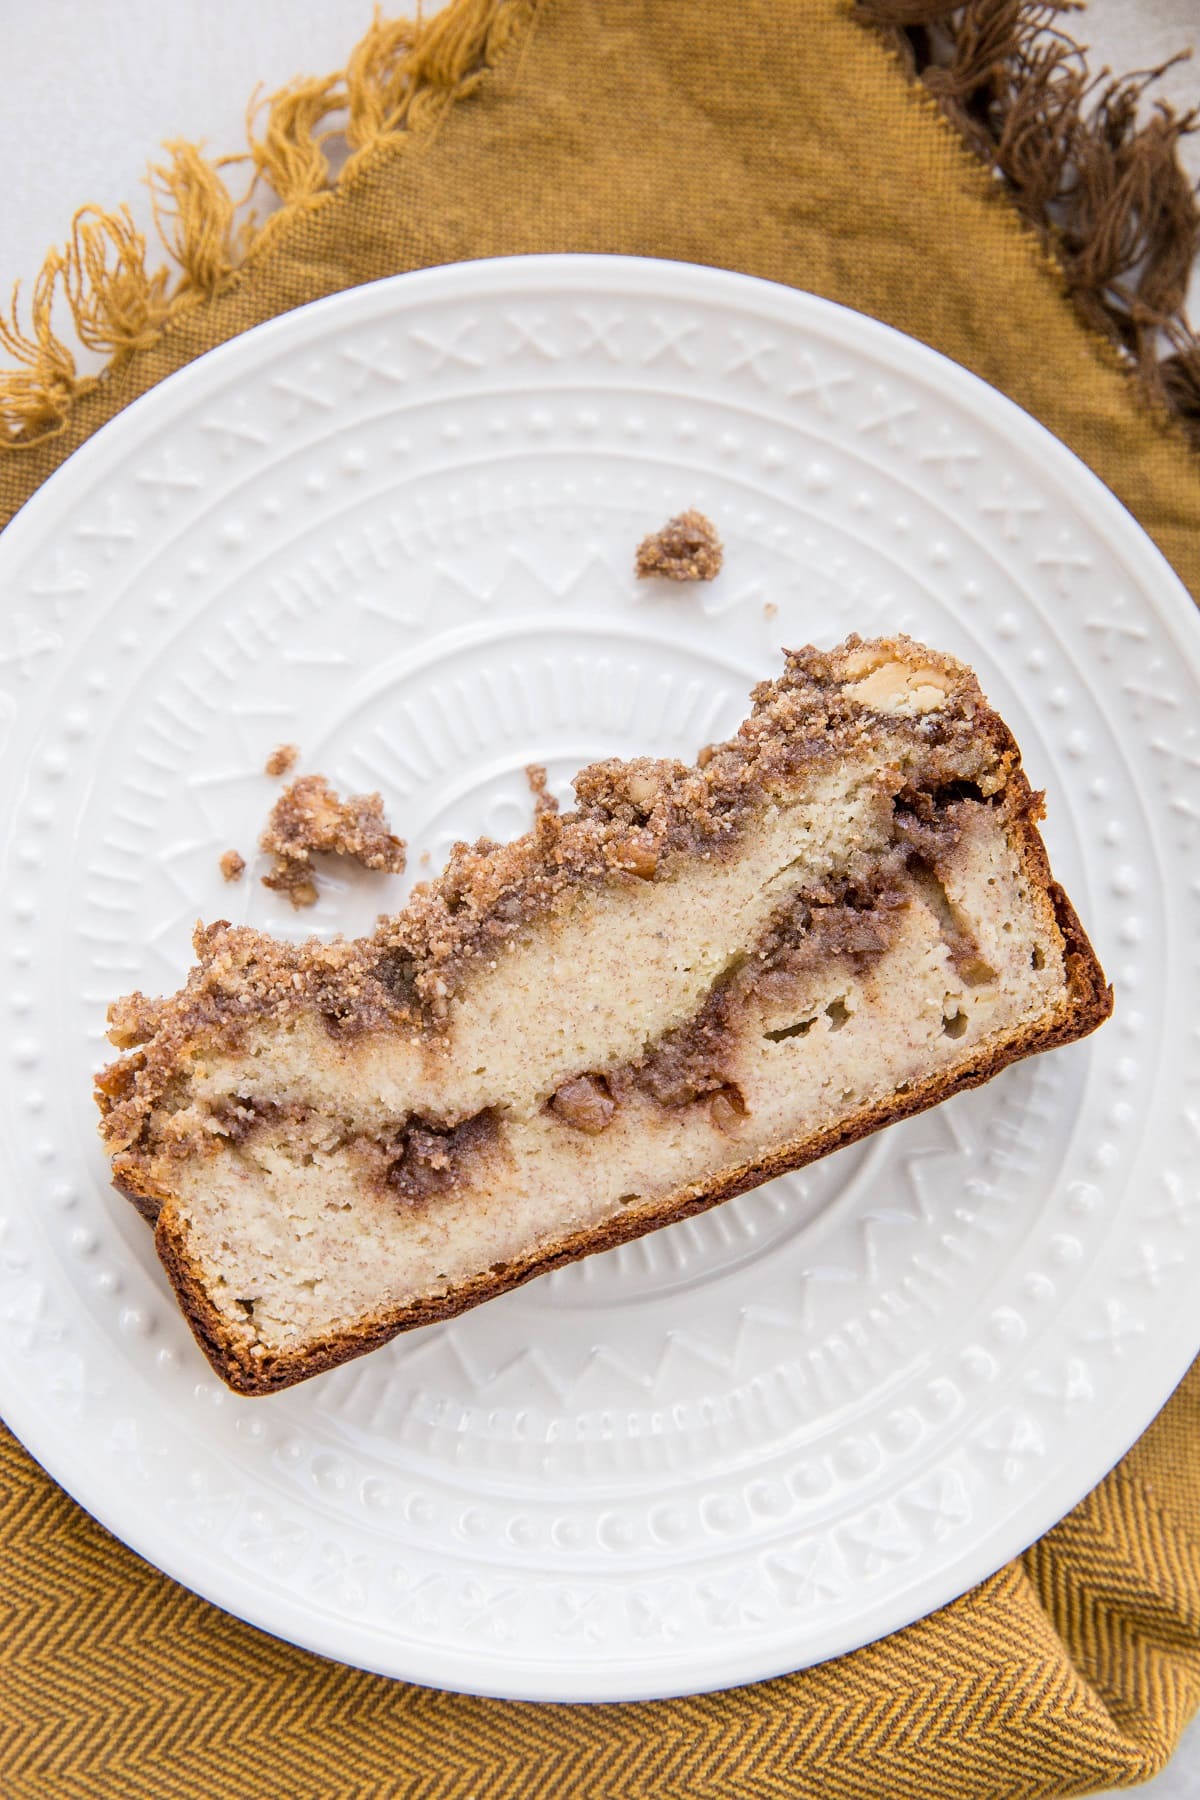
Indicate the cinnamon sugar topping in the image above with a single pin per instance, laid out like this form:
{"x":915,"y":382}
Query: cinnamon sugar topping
{"x":543,"y":800}
{"x":282,"y":760}
{"x":309,"y":816}
{"x":408,"y":971}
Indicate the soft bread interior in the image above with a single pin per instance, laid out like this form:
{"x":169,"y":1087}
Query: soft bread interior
{"x":298,"y":1234}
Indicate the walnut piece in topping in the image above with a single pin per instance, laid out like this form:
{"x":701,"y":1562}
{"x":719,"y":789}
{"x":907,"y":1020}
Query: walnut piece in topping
{"x":282,"y":760}
{"x":586,"y":1103}
{"x":133,"y":1020}
{"x":891,"y":685}
{"x":309,"y":816}
{"x":686,"y":549}
{"x":543,"y":800}
{"x":637,"y":857}
{"x":232,"y":866}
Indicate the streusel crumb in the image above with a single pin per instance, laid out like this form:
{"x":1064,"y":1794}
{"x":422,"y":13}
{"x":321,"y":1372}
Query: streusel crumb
{"x":543,"y":800}
{"x":686,"y":549}
{"x":309,"y":816}
{"x":282,"y":759}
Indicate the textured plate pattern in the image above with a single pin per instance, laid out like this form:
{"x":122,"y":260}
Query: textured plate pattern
{"x":397,"y":527}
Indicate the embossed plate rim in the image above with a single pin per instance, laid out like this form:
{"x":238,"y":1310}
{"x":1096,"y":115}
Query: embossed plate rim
{"x":305,"y":1622}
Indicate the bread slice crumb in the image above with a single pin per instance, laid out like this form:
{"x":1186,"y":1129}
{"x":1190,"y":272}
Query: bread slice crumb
{"x":233,"y":865}
{"x":309,"y":816}
{"x":686,"y":549}
{"x":282,"y":759}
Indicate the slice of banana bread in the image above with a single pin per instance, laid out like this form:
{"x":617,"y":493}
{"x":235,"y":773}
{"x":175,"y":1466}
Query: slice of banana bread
{"x":698,"y":979}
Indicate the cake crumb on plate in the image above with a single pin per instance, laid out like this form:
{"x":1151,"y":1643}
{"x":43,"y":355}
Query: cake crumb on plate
{"x":686,"y":549}
{"x":282,"y":759}
{"x":309,"y":816}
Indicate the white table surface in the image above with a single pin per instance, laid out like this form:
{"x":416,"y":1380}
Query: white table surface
{"x":95,"y":85}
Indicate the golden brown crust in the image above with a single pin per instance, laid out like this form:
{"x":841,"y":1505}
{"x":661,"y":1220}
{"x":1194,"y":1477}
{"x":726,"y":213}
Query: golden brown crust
{"x":233,"y":865}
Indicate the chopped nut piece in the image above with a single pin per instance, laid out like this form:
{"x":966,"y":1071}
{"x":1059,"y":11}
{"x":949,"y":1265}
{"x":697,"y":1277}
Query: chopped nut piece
{"x":727,"y":1109}
{"x":282,"y":759}
{"x":686,"y":549}
{"x":309,"y":816}
{"x":233,"y":866}
{"x":585,"y":1103}
{"x":133,"y":1020}
{"x":641,"y":788}
{"x":638,"y":857}
{"x":543,"y":800}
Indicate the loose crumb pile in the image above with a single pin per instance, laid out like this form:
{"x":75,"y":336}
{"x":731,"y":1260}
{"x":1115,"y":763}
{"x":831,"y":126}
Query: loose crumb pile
{"x":282,"y":759}
{"x":686,"y":549}
{"x":543,"y":800}
{"x":309,"y":816}
{"x":233,"y":866}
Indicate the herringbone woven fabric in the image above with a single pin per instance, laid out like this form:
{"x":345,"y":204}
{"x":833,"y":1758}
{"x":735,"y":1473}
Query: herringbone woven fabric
{"x":777,"y":137}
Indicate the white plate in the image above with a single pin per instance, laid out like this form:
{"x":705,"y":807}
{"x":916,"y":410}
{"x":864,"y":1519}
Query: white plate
{"x":397,"y":527}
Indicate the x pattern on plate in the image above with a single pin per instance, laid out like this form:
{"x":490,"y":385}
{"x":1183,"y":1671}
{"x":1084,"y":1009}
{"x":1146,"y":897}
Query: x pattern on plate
{"x":399,"y":530}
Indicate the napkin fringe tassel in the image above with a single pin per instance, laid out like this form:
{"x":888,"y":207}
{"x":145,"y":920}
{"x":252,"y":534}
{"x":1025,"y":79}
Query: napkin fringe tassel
{"x":305,"y":142}
{"x":1102,"y":187}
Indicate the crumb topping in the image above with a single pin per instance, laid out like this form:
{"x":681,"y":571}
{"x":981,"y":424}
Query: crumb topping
{"x":309,"y":816}
{"x":282,"y":759}
{"x":632,"y":820}
{"x":233,"y":866}
{"x":686,"y":549}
